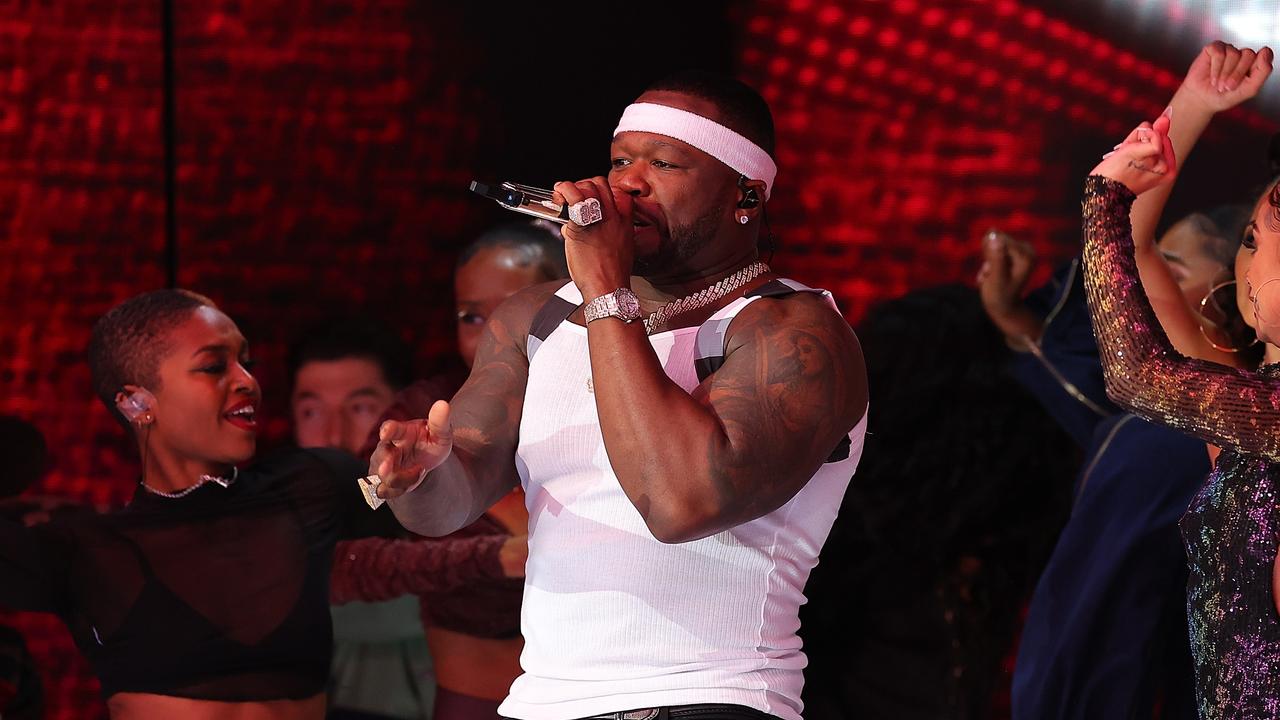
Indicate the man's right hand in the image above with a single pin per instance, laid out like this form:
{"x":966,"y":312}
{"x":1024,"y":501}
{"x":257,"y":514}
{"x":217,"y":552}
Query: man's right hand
{"x":1006,"y":266}
{"x":406,"y":450}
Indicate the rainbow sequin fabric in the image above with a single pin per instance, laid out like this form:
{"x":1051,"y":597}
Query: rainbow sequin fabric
{"x":1231,"y":529}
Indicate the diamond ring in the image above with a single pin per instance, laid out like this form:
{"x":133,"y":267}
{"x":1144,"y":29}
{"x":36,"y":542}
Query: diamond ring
{"x":369,"y":488}
{"x":586,"y":212}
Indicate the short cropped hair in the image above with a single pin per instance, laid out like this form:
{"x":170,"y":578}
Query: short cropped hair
{"x":127,"y":344}
{"x":533,"y":242}
{"x":744,"y":110}
{"x":354,"y":337}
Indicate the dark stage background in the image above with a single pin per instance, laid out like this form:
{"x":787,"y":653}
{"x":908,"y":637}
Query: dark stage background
{"x":323,"y":147}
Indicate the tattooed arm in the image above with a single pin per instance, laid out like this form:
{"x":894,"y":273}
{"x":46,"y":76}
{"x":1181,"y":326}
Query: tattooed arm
{"x":749,"y":436}
{"x":467,"y":446}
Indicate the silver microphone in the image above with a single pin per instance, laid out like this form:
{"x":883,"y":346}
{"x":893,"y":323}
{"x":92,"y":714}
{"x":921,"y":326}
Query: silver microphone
{"x":538,"y":203}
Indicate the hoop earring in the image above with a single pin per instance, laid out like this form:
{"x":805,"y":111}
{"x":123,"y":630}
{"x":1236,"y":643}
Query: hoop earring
{"x":1204,"y":302}
{"x":1257,"y":311}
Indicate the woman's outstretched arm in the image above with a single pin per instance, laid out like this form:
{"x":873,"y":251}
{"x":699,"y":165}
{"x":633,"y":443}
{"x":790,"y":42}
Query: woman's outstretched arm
{"x":1218,"y":404}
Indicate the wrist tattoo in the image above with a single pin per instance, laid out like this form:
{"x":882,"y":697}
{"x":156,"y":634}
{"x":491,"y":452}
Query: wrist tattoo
{"x":1145,"y":169}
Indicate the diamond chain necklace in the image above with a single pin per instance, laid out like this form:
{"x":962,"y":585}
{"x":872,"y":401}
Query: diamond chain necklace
{"x":703,"y":297}
{"x":202,"y":480}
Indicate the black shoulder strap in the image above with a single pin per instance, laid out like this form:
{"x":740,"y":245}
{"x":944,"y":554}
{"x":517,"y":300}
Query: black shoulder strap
{"x":553,"y":312}
{"x":709,"y":355}
{"x":779,"y":287}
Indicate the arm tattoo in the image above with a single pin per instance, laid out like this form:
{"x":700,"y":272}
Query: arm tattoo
{"x":1142,"y":168}
{"x":486,"y":412}
{"x":795,"y":387}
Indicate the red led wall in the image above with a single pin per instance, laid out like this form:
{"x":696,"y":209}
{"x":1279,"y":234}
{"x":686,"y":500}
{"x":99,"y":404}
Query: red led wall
{"x":906,"y":128}
{"x":81,"y":203}
{"x":323,"y":150}
{"x":322,"y":146}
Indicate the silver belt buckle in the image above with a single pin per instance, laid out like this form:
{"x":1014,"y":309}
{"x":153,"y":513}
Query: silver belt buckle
{"x":646,"y":714}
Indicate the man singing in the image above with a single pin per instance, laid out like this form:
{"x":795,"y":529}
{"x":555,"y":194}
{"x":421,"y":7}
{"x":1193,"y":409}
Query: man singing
{"x":684,"y":434}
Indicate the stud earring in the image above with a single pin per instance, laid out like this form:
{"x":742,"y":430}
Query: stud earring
{"x":743,"y":219}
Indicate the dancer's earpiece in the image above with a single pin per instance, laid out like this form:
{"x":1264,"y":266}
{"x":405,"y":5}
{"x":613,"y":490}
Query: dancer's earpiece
{"x":136,"y":404}
{"x":750,"y":198}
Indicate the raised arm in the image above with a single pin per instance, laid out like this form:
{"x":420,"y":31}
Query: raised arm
{"x":376,"y":569}
{"x":1218,"y":404}
{"x":1221,"y":77}
{"x":465,"y":447}
{"x":1007,"y":263}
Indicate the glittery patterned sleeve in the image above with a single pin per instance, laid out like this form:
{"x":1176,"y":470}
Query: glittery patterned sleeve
{"x":1218,"y":404}
{"x":376,"y":569}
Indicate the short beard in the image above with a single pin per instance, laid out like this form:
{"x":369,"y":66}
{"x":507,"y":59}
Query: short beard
{"x":685,"y":242}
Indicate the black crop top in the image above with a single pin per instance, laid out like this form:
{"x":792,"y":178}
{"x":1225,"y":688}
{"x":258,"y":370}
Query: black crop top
{"x":219,"y":595}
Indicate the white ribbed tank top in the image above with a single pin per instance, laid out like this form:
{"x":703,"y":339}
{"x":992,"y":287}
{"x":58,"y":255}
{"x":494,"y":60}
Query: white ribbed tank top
{"x":615,"y":620}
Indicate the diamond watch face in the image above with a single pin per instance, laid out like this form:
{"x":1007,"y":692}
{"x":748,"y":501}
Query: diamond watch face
{"x":628,"y":305}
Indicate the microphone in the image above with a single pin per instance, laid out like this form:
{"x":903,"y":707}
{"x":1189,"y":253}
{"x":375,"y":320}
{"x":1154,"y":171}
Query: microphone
{"x":538,"y":203}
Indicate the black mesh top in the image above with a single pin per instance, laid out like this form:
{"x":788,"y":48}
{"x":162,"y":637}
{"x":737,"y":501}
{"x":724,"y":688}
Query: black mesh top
{"x":219,"y":595}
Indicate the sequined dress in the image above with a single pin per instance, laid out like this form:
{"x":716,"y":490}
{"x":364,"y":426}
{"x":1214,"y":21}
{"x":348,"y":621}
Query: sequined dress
{"x":1231,"y":528}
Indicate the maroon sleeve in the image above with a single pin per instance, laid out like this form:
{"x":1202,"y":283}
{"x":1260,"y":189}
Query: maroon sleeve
{"x":376,"y":569}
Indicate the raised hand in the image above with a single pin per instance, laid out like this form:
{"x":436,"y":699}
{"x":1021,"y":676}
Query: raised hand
{"x":600,"y":255}
{"x":1223,"y":76}
{"x":1144,"y":160}
{"x":1006,"y":266}
{"x":406,"y":450}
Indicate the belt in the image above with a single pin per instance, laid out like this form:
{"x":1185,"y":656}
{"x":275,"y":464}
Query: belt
{"x":704,"y":711}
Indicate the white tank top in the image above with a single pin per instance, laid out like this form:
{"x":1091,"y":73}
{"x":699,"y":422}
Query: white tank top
{"x":615,"y":620}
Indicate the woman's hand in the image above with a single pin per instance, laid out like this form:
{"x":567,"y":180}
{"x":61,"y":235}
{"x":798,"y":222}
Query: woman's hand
{"x":1224,"y":76}
{"x":1144,"y":160}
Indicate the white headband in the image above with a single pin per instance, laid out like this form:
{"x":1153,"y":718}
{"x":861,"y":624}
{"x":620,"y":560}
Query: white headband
{"x":712,"y":138}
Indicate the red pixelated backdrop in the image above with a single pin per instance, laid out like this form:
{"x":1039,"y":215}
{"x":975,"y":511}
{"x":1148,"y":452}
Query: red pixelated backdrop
{"x":906,"y":128}
{"x":323,"y":150}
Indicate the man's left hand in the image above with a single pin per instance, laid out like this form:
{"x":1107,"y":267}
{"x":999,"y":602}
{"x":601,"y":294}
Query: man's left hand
{"x":600,"y":255}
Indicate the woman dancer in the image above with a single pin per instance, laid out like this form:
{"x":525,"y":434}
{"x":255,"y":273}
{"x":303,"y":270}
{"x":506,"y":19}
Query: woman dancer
{"x":207,"y":597}
{"x":1232,"y":529}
